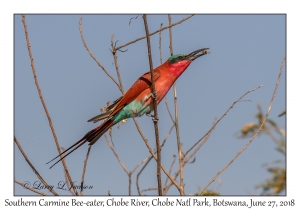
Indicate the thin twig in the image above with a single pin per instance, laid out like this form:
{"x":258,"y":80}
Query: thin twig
{"x":170,"y":171}
{"x":266,"y":128}
{"x":95,"y":59}
{"x":254,"y":136}
{"x":139,"y":173}
{"x":29,"y":188}
{"x":84,"y":169}
{"x":153,"y":154}
{"x":133,"y":18}
{"x":43,"y":102}
{"x":148,"y":159}
{"x":129,"y":173}
{"x":238,"y":100}
{"x":167,"y":106}
{"x":68,"y":184}
{"x":129,"y":184}
{"x":187,"y":159}
{"x":170,"y":34}
{"x":154,"y":104}
{"x":113,"y":51}
{"x":116,"y":154}
{"x":139,"y":164}
{"x":66,"y":178}
{"x":131,"y":42}
{"x":121,"y":163}
{"x":32,"y":167}
{"x":160,"y":58}
{"x":179,"y":146}
{"x":160,"y":49}
{"x":150,"y":189}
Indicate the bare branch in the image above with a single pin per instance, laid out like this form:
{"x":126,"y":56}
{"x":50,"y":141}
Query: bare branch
{"x":238,"y":100}
{"x":266,"y":128}
{"x":254,"y":136}
{"x":167,"y":106}
{"x":43,"y":102}
{"x":160,"y":49}
{"x":66,"y":178}
{"x":186,"y":160}
{"x":160,"y":57}
{"x":32,"y":167}
{"x":113,"y":51}
{"x":131,"y":42}
{"x":150,"y":189}
{"x":84,"y":169}
{"x":170,"y":171}
{"x":170,"y":34}
{"x":116,"y":154}
{"x":29,"y":188}
{"x":121,"y":163}
{"x":139,"y":164}
{"x":154,"y":104}
{"x":150,"y":158}
{"x":179,"y":146}
{"x":139,"y":173}
{"x":133,"y":18}
{"x":91,"y":54}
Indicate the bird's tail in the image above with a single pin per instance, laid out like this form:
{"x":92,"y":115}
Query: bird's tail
{"x":92,"y":136}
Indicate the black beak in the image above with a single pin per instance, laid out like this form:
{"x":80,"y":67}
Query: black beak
{"x":194,"y":55}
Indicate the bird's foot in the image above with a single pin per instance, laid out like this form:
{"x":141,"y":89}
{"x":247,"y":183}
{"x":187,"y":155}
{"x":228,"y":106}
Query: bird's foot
{"x":153,"y":95}
{"x":153,"y":117}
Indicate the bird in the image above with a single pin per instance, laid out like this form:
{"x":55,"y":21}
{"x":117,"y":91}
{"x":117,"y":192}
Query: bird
{"x":137,"y":101}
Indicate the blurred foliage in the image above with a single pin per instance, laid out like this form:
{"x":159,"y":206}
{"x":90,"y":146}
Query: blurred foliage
{"x":277,"y":183}
{"x":207,"y":193}
{"x":283,"y":113}
{"x":270,"y":125}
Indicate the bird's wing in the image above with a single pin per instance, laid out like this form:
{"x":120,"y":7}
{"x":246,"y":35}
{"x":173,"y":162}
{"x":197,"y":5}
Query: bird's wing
{"x":136,"y":89}
{"x":112,"y":106}
{"x":106,"y":114}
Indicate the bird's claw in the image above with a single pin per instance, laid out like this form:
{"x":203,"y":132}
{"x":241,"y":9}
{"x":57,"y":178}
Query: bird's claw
{"x":153,"y":117}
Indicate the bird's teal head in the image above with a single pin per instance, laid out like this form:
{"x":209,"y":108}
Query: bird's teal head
{"x":178,"y":63}
{"x":189,"y":58}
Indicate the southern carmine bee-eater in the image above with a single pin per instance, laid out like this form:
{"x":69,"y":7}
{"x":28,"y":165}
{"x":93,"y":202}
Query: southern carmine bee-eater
{"x":137,"y":101}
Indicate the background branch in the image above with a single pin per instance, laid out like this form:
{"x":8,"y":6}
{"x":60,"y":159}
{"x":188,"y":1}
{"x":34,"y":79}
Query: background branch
{"x":154,"y":104}
{"x":149,"y":159}
{"x":113,"y":51}
{"x":43,"y":102}
{"x":33,"y":168}
{"x":29,"y":188}
{"x":254,"y":136}
{"x":186,"y":160}
{"x":222,"y":117}
{"x":95,"y":59}
{"x":179,"y":146}
{"x":66,"y":178}
{"x":84,"y":169}
{"x":150,"y":34}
